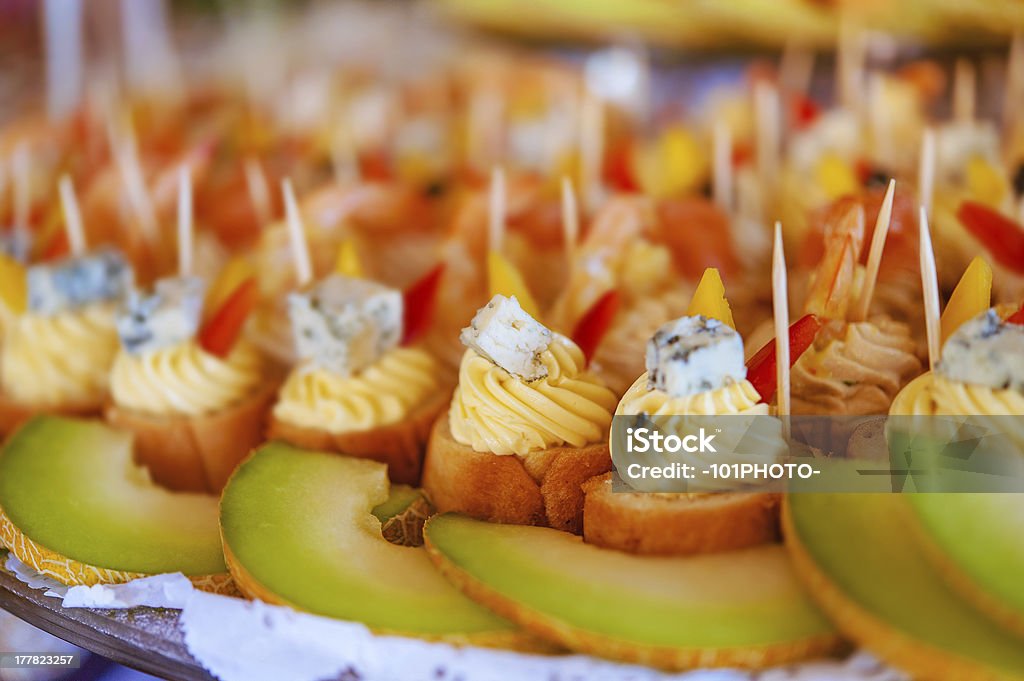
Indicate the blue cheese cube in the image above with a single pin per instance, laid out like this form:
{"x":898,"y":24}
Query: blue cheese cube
{"x":692,"y":355}
{"x":985,"y":351}
{"x":344,"y":324}
{"x":167,"y":316}
{"x":505,"y":334}
{"x":76,"y":282}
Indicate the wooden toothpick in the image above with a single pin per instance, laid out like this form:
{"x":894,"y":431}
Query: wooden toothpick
{"x":860,"y":309}
{"x":964,"y":91}
{"x":72,"y":217}
{"x":769,"y":131}
{"x":259,"y":190}
{"x":297,"y":233}
{"x":496,"y":214}
{"x":570,"y":219}
{"x":21,"y":169}
{"x":930,"y":289}
{"x":926,"y":170}
{"x":592,"y":130}
{"x":780,"y":308}
{"x":721,"y":142}
{"x":185,"y":233}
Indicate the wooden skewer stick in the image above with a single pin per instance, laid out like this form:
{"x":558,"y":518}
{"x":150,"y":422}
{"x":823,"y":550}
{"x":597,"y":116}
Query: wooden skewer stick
{"x":72,"y":217}
{"x":259,"y":190}
{"x":185,"y":233}
{"x":796,"y":68}
{"x":496,"y":213}
{"x":21,"y":169}
{"x":769,"y":131}
{"x":570,"y":219}
{"x":1014,"y":82}
{"x":926,"y":170}
{"x":930,"y":289}
{"x":721,"y":142}
{"x":343,"y":156}
{"x":780,"y":308}
{"x":62,"y":23}
{"x":592,"y":130}
{"x":860,"y":310}
{"x":127,"y":154}
{"x":964,"y":91}
{"x":297,"y":233}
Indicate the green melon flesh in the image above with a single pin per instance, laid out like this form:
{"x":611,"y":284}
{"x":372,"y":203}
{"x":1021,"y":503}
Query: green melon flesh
{"x":979,"y":537}
{"x":70,"y":486}
{"x":301,"y":525}
{"x":744,"y":599}
{"x":864,"y":547}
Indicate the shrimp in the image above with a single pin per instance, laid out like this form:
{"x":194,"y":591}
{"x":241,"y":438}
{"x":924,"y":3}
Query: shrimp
{"x":833,"y":283}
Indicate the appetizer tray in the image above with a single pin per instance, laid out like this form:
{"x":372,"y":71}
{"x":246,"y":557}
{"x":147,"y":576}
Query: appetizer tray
{"x":147,"y":639}
{"x":152,"y":640}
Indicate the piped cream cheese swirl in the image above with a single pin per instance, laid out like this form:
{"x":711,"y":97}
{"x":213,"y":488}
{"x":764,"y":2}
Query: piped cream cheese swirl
{"x":494,"y":411}
{"x":59,"y":360}
{"x":743,"y":419}
{"x":185,"y":379}
{"x":932,"y":394}
{"x":383,"y":393}
{"x":854,"y":368}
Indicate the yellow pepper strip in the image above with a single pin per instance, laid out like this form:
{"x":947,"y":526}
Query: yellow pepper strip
{"x":971,"y":297}
{"x":503,"y":277}
{"x":231,"y":277}
{"x":836,"y":177}
{"x":13,"y":284}
{"x":348,"y":262}
{"x":709,"y":299}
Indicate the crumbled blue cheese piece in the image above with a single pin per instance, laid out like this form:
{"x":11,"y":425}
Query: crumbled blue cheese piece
{"x":344,"y":324}
{"x":985,"y":351}
{"x":504,"y":333}
{"x":166,"y":316}
{"x":78,"y":281}
{"x":693,"y":355}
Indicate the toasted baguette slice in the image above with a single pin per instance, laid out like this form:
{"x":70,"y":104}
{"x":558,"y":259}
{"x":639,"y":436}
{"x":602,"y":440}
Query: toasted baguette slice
{"x":196,"y":453}
{"x":677,"y":524}
{"x":13,"y":414}
{"x":399,"y":445}
{"x":542,"y":488}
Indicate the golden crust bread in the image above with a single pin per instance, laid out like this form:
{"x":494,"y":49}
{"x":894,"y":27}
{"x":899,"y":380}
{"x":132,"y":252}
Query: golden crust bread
{"x":399,"y":445}
{"x":13,"y":414}
{"x":677,"y":524}
{"x":195,"y":453}
{"x":542,"y":488}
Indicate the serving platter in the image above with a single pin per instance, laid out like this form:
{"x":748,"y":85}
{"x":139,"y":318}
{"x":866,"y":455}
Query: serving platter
{"x":147,"y":639}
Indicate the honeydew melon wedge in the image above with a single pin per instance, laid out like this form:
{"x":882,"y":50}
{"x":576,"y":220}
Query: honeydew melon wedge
{"x":298,"y":529}
{"x":74,"y":506}
{"x":858,"y":558}
{"x":742,"y":608}
{"x":976,"y":542}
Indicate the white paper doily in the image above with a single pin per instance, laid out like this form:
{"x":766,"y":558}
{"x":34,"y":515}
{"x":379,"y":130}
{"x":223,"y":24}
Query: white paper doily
{"x":238,"y":640}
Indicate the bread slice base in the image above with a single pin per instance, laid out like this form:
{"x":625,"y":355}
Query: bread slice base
{"x":399,"y":445}
{"x":196,"y":453}
{"x":677,"y":524}
{"x":542,"y":488}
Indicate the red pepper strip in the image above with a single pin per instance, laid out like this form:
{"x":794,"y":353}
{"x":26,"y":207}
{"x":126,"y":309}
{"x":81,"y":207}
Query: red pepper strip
{"x":419,"y":301}
{"x":57,"y":248}
{"x":618,"y":167}
{"x":761,"y":367}
{"x":1017,"y":317}
{"x":594,"y":324}
{"x":219,"y":334}
{"x":804,"y":110}
{"x":1000,"y":235}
